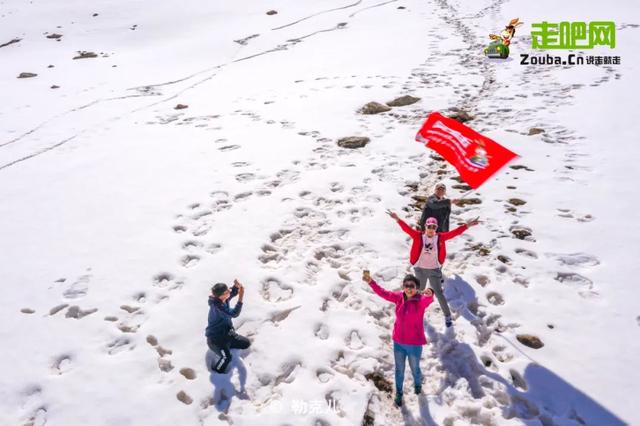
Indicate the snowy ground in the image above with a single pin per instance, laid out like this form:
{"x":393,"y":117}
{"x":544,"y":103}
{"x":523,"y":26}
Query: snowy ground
{"x":119,"y":212}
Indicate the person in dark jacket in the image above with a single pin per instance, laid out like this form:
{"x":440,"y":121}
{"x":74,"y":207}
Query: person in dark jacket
{"x":438,"y":206}
{"x":221,"y":336}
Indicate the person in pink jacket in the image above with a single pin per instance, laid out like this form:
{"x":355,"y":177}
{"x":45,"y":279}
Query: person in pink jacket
{"x":408,"y":330}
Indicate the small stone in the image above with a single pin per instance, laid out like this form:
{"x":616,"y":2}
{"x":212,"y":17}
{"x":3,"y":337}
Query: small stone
{"x":462,"y":187}
{"x":403,"y":101}
{"x":460,"y":115}
{"x":27,"y":311}
{"x":84,"y":54}
{"x":272,"y":12}
{"x":27,"y":75}
{"x":516,"y":201}
{"x":181,"y":106}
{"x":152,"y":340}
{"x":530,"y":341}
{"x":520,"y":166}
{"x":504,"y":259}
{"x":130,"y":309}
{"x":374,"y":108}
{"x":55,"y":86}
{"x":94,"y":15}
{"x":165,"y":364}
{"x":188,"y":373}
{"x":111,"y":318}
{"x":379,"y":381}
{"x":162,"y":351}
{"x":468,"y":201}
{"x":521,"y":233}
{"x":353,"y":142}
{"x":184,"y":398}
{"x":54,"y":36}
{"x":535,"y":131}
{"x":50,"y":66}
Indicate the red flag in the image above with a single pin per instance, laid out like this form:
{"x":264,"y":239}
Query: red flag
{"x":476,"y":157}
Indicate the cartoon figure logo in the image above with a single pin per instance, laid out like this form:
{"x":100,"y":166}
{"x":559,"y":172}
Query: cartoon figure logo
{"x":479,"y":157}
{"x":499,"y":46}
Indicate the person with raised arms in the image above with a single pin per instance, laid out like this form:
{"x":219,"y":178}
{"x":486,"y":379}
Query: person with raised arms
{"x":428,"y":253}
{"x":408,"y":329}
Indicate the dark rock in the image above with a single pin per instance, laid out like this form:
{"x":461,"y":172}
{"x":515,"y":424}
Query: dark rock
{"x":460,"y":115}
{"x":374,"y":108}
{"x":481,"y":249}
{"x":504,"y":259}
{"x":27,"y":75}
{"x":54,"y":36}
{"x":436,"y":157}
{"x":379,"y":381}
{"x":55,"y":87}
{"x":517,"y":201}
{"x":401,"y":7}
{"x":511,"y":187}
{"x":181,"y":106}
{"x":15,"y":40}
{"x":272,"y":12}
{"x":188,"y":373}
{"x":84,"y":54}
{"x":94,"y":15}
{"x":468,"y":201}
{"x":353,"y":142}
{"x":403,"y":101}
{"x":530,"y":341}
{"x":184,"y":398}
{"x":462,"y":187}
{"x":51,"y":66}
{"x":520,"y":166}
{"x":520,"y":233}
{"x":551,"y":326}
{"x":27,"y":311}
{"x":535,"y":131}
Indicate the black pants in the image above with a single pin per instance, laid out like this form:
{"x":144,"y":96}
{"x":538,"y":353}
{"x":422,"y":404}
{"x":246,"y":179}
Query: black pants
{"x":221,"y":347}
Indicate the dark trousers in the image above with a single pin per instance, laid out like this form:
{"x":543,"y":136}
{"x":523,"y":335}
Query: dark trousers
{"x":221,"y":347}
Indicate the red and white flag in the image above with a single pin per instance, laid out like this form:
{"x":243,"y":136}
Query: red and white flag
{"x":476,"y":157}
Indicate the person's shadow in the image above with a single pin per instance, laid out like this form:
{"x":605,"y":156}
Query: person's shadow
{"x":540,"y":393}
{"x":223,"y":389}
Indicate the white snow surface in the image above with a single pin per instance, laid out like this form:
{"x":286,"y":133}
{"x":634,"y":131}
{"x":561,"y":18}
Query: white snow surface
{"x":119,"y":212}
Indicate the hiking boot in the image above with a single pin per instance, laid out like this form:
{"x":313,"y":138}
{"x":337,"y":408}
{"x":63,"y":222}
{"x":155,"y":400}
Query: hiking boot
{"x":398,"y":400}
{"x":418,"y":389}
{"x":448,"y":321}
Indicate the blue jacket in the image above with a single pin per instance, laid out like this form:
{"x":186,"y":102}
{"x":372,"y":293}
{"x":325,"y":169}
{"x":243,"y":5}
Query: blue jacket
{"x":220,"y":315}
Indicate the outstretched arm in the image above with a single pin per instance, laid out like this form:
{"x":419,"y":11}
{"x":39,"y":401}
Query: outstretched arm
{"x":403,"y":225}
{"x":459,"y":230}
{"x":385,"y":294}
{"x":427,"y":298}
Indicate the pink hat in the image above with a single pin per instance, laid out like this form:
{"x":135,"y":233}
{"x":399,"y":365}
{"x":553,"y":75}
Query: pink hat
{"x":432,"y":221}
